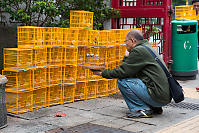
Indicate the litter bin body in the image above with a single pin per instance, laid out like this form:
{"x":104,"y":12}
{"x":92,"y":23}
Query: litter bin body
{"x":184,"y":53}
{"x":3,"y":109}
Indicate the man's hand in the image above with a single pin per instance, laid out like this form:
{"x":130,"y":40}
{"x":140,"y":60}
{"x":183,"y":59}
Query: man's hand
{"x":126,"y":53}
{"x":97,"y":73}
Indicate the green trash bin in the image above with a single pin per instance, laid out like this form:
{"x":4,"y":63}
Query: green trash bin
{"x":184,"y":49}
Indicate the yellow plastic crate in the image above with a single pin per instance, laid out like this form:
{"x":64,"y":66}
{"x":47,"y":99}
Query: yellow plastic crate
{"x":185,"y":12}
{"x":92,"y":87}
{"x":39,"y":56}
{"x":65,"y":36}
{"x":54,"y":55}
{"x":80,"y":91}
{"x":118,"y":36}
{"x":68,"y":93}
{"x":54,"y":94}
{"x":19,"y":102}
{"x":122,"y":51}
{"x":69,"y":74}
{"x":81,"y":74}
{"x":53,"y":36}
{"x":155,"y":46}
{"x":93,"y":37}
{"x":39,"y":77}
{"x":83,"y":37}
{"x":102,"y":88}
{"x":39,"y":98}
{"x":18,"y":80}
{"x":102,"y":54}
{"x":83,"y":19}
{"x":54,"y":75}
{"x":117,"y":52}
{"x":15,"y":58}
{"x":29,"y":36}
{"x":69,"y":56}
{"x":111,"y":53}
{"x":81,"y":55}
{"x":92,"y":55}
{"x":73,"y":37}
{"x":104,"y":37}
{"x":112,"y":86}
{"x":117,"y":89}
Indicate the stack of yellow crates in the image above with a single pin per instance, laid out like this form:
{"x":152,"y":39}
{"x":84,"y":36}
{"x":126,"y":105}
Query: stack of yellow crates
{"x":46,"y":68}
{"x":185,"y":12}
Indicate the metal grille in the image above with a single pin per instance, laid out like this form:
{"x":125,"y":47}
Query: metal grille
{"x":184,"y":105}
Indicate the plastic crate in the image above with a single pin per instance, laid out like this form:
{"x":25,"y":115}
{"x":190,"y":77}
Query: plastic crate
{"x":81,"y":74}
{"x":19,"y":80}
{"x":39,"y":56}
{"x":112,"y":83}
{"x":83,"y":37}
{"x":54,"y":94}
{"x":110,"y":65}
{"x":93,"y":37}
{"x":53,"y":36}
{"x":73,"y":37}
{"x":102,"y":88}
{"x":92,"y":55}
{"x":39,"y":77}
{"x":69,"y":56}
{"x":16,"y":58}
{"x":69,"y":74}
{"x":54,"y":75}
{"x":83,"y":19}
{"x":80,"y":91}
{"x":122,"y":51}
{"x":39,"y":98}
{"x":102,"y":54}
{"x":19,"y":102}
{"x":104,"y":37}
{"x":65,"y":36}
{"x":117,"y":52}
{"x":111,"y":53}
{"x":81,"y":55}
{"x":185,"y":12}
{"x":68,"y":93}
{"x":29,"y":36}
{"x":155,"y":46}
{"x":92,"y":87}
{"x":54,"y":55}
{"x":118,"y":35}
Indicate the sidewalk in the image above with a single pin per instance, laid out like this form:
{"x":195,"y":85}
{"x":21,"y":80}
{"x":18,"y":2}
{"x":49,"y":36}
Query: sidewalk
{"x":107,"y":114}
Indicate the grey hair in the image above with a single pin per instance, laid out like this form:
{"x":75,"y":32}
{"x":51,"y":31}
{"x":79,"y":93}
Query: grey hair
{"x":135,"y":34}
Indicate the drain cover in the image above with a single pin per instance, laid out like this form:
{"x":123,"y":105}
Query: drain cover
{"x":88,"y":128}
{"x":184,"y":105}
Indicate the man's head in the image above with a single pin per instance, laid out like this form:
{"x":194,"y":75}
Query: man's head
{"x":132,"y":38}
{"x":195,"y":4}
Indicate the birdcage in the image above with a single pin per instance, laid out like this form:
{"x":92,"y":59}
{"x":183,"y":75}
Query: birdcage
{"x":68,"y":93}
{"x":122,"y":51}
{"x":102,"y":88}
{"x":102,"y":54}
{"x":81,"y":55}
{"x":20,"y":102}
{"x":111,"y":53}
{"x":39,"y":98}
{"x":54,"y":94}
{"x":80,"y":90}
{"x":65,"y":36}
{"x":16,"y":58}
{"x":54,"y":75}
{"x":93,"y":37}
{"x":83,"y":19}
{"x":81,"y":74}
{"x":29,"y":36}
{"x":39,"y":56}
{"x":92,"y":87}
{"x":118,"y":35}
{"x":72,"y":37}
{"x":18,"y":80}
{"x":155,"y":46}
{"x":92,"y":55}
{"x":54,"y":55}
{"x":111,"y":86}
{"x":39,"y":77}
{"x":83,"y":37}
{"x":69,"y":74}
{"x":53,"y":36}
{"x":104,"y":37}
{"x":185,"y":12}
{"x":110,"y":65}
{"x":69,"y":56}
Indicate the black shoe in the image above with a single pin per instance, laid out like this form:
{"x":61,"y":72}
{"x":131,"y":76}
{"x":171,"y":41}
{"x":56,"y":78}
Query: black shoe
{"x":140,"y":114}
{"x":157,"y":110}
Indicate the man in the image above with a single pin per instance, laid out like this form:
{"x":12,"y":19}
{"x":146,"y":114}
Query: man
{"x":141,"y":80}
{"x":195,"y":4}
